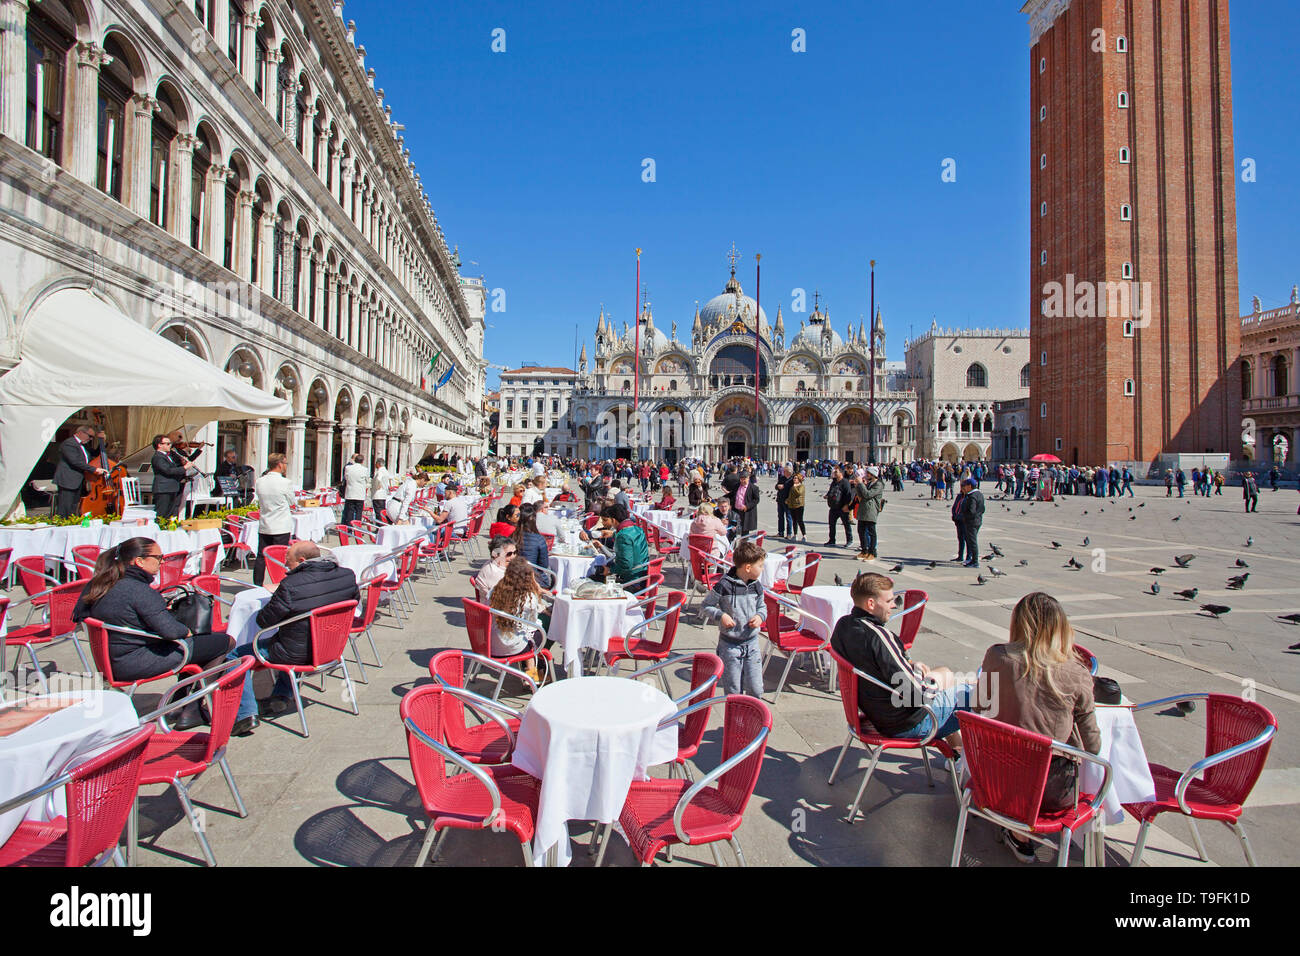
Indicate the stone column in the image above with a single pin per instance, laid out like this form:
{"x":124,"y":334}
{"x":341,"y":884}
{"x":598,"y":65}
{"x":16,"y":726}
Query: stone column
{"x":248,"y":24}
{"x":81,"y":149}
{"x":213,"y":238}
{"x":379,"y":451}
{"x":344,"y":183}
{"x":13,"y":69}
{"x":324,"y":291}
{"x":308,"y":130}
{"x":391,"y":454}
{"x":221,"y":26}
{"x":287,"y":239}
{"x":304,"y":275}
{"x":266,"y":252}
{"x":137,"y":153}
{"x":324,"y":454}
{"x":271,"y":83}
{"x":348,"y":434}
{"x":180,"y":186}
{"x":295,"y":446}
{"x":365,"y":438}
{"x":355,"y":325}
{"x":257,"y":437}
{"x":244,"y":237}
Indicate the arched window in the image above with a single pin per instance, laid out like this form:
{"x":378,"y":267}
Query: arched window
{"x":47,"y":53}
{"x":1280,"y":378}
{"x":1247,"y":380}
{"x":115,"y":84}
{"x":164,"y":132}
{"x":235,"y":37}
{"x":1024,"y":377}
{"x":977,"y":376}
{"x":199,"y":166}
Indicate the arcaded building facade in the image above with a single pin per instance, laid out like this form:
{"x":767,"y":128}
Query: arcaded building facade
{"x":226,"y":174}
{"x":1270,"y":385}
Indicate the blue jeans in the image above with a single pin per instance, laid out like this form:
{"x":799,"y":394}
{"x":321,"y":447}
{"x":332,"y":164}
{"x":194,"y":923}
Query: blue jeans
{"x":248,"y":701}
{"x":742,"y":667}
{"x":945,"y":705}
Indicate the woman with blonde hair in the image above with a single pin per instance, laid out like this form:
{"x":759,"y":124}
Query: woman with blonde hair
{"x":706,"y":522}
{"x":1038,"y":683}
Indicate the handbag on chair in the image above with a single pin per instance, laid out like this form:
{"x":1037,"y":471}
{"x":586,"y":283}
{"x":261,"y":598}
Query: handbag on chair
{"x":193,"y":608}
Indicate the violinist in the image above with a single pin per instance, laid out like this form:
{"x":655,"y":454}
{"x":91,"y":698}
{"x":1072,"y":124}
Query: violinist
{"x":76,"y":461}
{"x":171,"y":469}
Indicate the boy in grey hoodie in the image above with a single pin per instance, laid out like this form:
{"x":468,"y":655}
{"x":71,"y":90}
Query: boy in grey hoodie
{"x":737,"y":606}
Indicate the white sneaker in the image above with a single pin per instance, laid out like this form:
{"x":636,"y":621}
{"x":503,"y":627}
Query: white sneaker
{"x":1023,"y":850}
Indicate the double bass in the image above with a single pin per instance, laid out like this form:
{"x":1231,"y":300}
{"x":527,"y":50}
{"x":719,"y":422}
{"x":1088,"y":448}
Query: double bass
{"x":104,"y":495}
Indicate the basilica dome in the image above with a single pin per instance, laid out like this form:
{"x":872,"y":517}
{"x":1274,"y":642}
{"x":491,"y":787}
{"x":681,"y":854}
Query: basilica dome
{"x":733,"y":304}
{"x":810,"y":338}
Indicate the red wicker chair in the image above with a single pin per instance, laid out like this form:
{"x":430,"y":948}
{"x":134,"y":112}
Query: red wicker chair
{"x":99,"y":794}
{"x":1238,"y":734}
{"x":84,"y":557}
{"x":58,"y":627}
{"x":330,"y":629}
{"x":1008,"y":774}
{"x":97,"y":635}
{"x":496,"y":798}
{"x":910,"y":625}
{"x":631,"y":647}
{"x":491,"y":741}
{"x":786,"y":635}
{"x":478,"y":623}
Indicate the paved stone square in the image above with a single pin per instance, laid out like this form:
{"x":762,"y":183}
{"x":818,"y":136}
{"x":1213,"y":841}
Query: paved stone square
{"x":345,"y":797}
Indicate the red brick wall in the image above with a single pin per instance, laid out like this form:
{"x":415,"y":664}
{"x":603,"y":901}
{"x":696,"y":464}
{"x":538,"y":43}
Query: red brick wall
{"x":1182,"y":240}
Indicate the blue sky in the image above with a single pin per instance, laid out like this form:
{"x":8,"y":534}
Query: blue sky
{"x":819,"y":160}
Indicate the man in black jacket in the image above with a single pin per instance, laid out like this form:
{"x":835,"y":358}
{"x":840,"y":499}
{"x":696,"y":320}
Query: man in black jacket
{"x":784,"y":479}
{"x":839,"y":498}
{"x":76,"y":461}
{"x":171,"y":469}
{"x":312,"y":582}
{"x":971,"y":517}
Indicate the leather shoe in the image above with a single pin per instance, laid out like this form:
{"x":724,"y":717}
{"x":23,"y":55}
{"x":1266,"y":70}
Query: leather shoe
{"x":244,"y":727}
{"x":187,"y":718}
{"x":275,"y":706}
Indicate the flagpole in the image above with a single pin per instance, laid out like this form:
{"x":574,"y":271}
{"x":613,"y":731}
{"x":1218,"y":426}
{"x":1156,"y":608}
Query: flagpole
{"x":636,"y":359}
{"x":758,"y":311}
{"x":871,"y":454}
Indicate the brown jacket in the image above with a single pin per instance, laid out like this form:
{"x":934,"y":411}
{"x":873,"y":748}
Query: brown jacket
{"x":1069,"y":718}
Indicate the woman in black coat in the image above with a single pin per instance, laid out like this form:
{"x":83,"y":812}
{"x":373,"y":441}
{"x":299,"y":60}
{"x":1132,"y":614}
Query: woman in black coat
{"x":530,"y":543}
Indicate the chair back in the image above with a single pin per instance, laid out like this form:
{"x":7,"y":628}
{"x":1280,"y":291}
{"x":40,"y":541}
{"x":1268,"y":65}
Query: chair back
{"x":276,"y":555}
{"x":208,"y":563}
{"x":343,"y":532}
{"x":773,"y":620}
{"x":330,"y":628}
{"x":690,"y":732}
{"x":84,"y":557}
{"x":361,"y":534}
{"x":63,"y":600}
{"x":5,"y":555}
{"x":478,"y":622}
{"x":1232,"y":721}
{"x":848,"y":684}
{"x":1008,"y":767}
{"x":130,"y":493}
{"x":225,"y":707}
{"x":31,"y":574}
{"x":550,"y":542}
{"x":656,"y":566}
{"x":172,"y":570}
{"x":743,"y":720}
{"x":811,"y":563}
{"x":702,"y":569}
{"x":910,"y":625}
{"x":100,"y":796}
{"x":1088,"y":659}
{"x":374,"y":589}
{"x":97,"y":637}
{"x":423,"y":707}
{"x":211,"y":584}
{"x":449,"y":667}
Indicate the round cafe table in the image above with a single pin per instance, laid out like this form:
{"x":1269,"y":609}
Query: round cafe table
{"x":39,"y":752}
{"x":241,"y":619}
{"x":394,"y":536}
{"x":828,"y":602}
{"x":570,"y":569}
{"x":357,"y":558}
{"x":579,"y":624}
{"x":587,"y":740}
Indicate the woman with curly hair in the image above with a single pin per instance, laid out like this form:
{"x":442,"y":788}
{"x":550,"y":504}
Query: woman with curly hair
{"x":517,"y":594}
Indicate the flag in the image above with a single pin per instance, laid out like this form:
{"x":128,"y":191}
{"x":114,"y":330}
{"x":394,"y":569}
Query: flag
{"x":446,"y":377}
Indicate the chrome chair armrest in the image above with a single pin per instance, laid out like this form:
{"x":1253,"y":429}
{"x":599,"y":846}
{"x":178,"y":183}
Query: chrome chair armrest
{"x":535,"y":625}
{"x":478,"y":772}
{"x":908,"y":610}
{"x":487,"y":710}
{"x":645,"y":625}
{"x":169,"y":705}
{"x":275,"y":627}
{"x":498,"y":666}
{"x":122,"y":629}
{"x":1205,"y":763}
{"x":709,"y":778}
{"x":934,"y":718}
{"x":546,"y":571}
{"x":690,"y":709}
{"x":789,"y":605}
{"x":36,"y":793}
{"x":674,"y":659}
{"x":1165,"y":701}
{"x":1067,"y":750}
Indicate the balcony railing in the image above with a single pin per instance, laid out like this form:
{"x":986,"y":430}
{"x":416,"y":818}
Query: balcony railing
{"x":1280,"y":403}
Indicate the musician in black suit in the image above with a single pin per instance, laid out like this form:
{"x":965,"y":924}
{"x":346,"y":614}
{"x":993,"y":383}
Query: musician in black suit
{"x":76,"y":460}
{"x":170,"y":472}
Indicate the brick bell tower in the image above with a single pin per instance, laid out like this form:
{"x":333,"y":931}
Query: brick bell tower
{"x":1134,"y":332}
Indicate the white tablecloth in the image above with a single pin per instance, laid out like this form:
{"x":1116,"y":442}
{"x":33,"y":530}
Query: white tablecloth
{"x":775,"y":568}
{"x":827,"y":602}
{"x":668,"y":521}
{"x":38,"y":753}
{"x":358,"y":557}
{"x":27,"y":542}
{"x":393,"y":536}
{"x":1131,"y":780}
{"x":579,"y":624}
{"x":170,"y":541}
{"x":587,"y":740}
{"x":308,"y":525}
{"x":241,"y":619}
{"x":570,"y":570}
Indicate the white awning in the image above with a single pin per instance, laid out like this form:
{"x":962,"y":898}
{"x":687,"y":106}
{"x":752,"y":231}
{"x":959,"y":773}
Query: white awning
{"x":427,"y":437}
{"x":78,"y":351}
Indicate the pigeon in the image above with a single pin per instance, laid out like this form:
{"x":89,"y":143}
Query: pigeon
{"x":1056,"y":546}
{"x":1074,"y":564}
{"x":1155,"y":587}
{"x":1216,"y":609}
{"x":1186,"y":706}
{"x":1023,"y":511}
{"x":895,"y":569}
{"x":839,"y":581}
{"x":1087,"y":541}
{"x":931,"y":567}
{"x":1157,"y":570}
{"x":1178,"y":517}
{"x":1133,"y":518}
{"x":1293,"y":618}
{"x":996,"y":550}
{"x":1103,"y":510}
{"x":1183,"y":560}
{"x":1242,"y":564}
{"x":1143,"y":505}
{"x":997,"y":572}
{"x":1189,"y":594}
{"x":927,"y":504}
{"x":981,"y":580}
{"x":1022,"y":563}
{"x":1249,"y":540}
{"x":1294,"y":647}
{"x":1239,"y":582}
